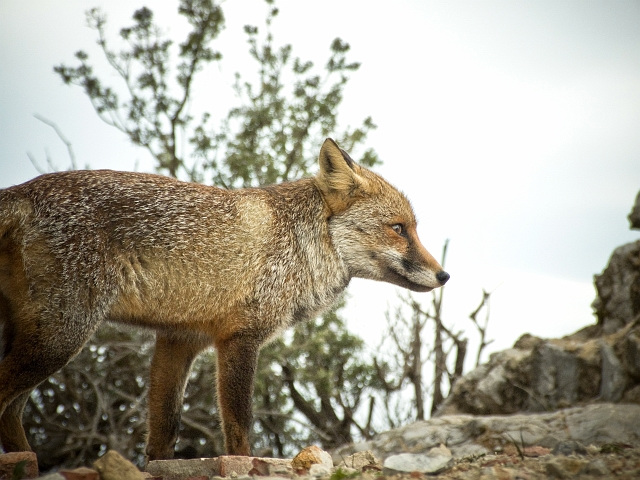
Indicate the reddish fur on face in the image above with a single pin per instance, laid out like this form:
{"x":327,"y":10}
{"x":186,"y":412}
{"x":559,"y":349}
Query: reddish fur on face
{"x":202,"y":265}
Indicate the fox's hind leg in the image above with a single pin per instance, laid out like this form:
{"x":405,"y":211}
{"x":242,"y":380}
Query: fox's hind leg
{"x":12,"y":437}
{"x":12,"y":433}
{"x":34,"y":347}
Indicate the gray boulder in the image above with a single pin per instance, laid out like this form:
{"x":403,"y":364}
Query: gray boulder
{"x":467,"y":435}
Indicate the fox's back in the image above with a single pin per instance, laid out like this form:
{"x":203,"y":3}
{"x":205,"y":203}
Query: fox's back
{"x":138,"y":243}
{"x":131,"y":208}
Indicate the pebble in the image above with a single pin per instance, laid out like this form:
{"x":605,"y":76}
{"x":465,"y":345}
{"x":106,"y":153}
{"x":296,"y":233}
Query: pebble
{"x":433,"y":461}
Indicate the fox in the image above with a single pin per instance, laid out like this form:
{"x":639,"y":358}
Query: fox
{"x":201,"y":265}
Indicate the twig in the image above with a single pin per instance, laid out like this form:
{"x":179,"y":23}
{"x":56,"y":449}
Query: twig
{"x":482,"y":329}
{"x":72,"y":156}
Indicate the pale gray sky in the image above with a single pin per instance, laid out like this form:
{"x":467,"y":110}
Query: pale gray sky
{"x":514,"y":127}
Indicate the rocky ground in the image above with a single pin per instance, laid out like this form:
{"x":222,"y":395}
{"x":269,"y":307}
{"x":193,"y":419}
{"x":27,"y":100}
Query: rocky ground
{"x":591,"y":441}
{"x":570,"y":460}
{"x":610,"y":461}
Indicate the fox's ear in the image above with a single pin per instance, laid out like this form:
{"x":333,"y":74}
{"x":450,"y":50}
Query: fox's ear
{"x":339,"y":175}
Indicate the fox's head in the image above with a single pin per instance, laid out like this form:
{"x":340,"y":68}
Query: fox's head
{"x":373,"y":225}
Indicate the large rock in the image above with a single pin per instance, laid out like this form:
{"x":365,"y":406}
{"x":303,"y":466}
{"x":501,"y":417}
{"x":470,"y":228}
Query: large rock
{"x":542,"y":375}
{"x":467,"y":435}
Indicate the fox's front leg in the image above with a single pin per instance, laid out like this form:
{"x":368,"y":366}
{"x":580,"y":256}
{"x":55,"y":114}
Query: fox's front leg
{"x":237,"y":358}
{"x":169,"y":371}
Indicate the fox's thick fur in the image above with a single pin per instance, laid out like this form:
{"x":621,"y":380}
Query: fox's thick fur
{"x":201,"y":265}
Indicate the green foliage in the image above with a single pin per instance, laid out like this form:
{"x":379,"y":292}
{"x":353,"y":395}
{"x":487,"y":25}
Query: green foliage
{"x":340,"y":474}
{"x":19,"y":470}
{"x":151,"y":115}
{"x":273,"y":134}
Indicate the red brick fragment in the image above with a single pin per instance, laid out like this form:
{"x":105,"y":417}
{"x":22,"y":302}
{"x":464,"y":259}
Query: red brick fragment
{"x":25,"y":464}
{"x":224,"y":466}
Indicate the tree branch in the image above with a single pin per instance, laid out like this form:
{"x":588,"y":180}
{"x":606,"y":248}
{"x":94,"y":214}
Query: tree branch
{"x":70,"y":152}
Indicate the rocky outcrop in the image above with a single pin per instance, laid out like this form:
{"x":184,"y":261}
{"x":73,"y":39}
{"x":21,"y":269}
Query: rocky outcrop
{"x":618,"y":289}
{"x":542,"y":375}
{"x":598,"y":363}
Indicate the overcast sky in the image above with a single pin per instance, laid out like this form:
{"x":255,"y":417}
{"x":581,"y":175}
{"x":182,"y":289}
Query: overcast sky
{"x":514,"y":128}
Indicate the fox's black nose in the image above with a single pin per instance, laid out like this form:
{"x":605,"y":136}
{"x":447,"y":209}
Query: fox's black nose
{"x":442,"y":277}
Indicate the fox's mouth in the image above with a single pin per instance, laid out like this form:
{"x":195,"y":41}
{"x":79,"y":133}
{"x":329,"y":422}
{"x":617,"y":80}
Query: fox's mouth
{"x":399,"y":279}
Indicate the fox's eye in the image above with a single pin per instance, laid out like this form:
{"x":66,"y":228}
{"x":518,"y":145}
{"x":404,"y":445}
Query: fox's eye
{"x":399,"y":229}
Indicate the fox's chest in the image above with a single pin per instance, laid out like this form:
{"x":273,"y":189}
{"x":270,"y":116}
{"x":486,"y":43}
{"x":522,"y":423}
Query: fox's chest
{"x":318,"y":299}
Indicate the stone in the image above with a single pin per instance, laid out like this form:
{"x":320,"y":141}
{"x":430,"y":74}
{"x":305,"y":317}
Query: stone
{"x":435,"y":460}
{"x":630,"y":354}
{"x":113,"y":466}
{"x":597,"y":468}
{"x":24,"y":464}
{"x":569,"y":447}
{"x":178,"y":469}
{"x":309,"y":456}
{"x":614,"y":379}
{"x":361,"y":461}
{"x":536,"y":451}
{"x":584,"y":367}
{"x":269,"y":467}
{"x":234,"y":466}
{"x":223,"y":466}
{"x":565,"y":467}
{"x":634,"y":216}
{"x":555,"y":372}
{"x":81,"y":473}
{"x":318,"y":470}
{"x":632,"y":395}
{"x":527,"y":342}
{"x":601,"y":423}
{"x":491,"y":385}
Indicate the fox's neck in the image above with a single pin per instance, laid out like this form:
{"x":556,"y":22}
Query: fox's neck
{"x":303,"y":215}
